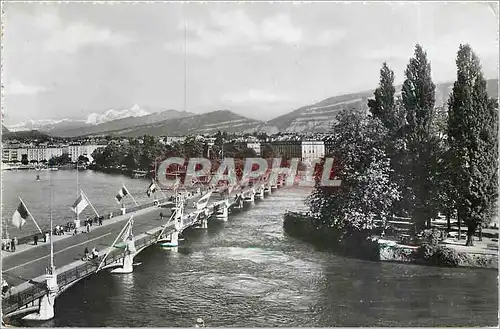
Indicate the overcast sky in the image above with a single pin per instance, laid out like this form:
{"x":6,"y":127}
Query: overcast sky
{"x":257,"y":59}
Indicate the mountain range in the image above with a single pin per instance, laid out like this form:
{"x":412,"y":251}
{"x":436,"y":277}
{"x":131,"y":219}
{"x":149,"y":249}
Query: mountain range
{"x":138,"y":121}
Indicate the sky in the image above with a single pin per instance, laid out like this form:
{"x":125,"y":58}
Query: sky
{"x":261,"y":60}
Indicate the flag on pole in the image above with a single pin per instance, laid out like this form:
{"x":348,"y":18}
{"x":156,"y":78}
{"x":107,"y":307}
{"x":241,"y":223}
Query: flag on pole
{"x":80,"y":204}
{"x":20,"y":215}
{"x":121,"y":194}
{"x":202,"y":203}
{"x":151,"y":189}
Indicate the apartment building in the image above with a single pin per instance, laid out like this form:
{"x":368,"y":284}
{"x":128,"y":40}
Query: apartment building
{"x":75,"y":151}
{"x":312,"y":150}
{"x":31,"y":154}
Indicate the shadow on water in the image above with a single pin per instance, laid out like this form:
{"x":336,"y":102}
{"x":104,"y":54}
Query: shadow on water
{"x":390,"y":294}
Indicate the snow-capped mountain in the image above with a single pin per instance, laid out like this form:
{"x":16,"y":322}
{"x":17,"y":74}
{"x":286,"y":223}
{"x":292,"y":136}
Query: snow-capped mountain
{"x":111,"y":114}
{"x":45,"y":124}
{"x":50,"y":125}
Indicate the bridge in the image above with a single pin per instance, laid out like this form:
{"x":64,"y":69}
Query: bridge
{"x":36,"y":286}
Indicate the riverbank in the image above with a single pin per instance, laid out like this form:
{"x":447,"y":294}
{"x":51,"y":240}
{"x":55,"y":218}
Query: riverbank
{"x":447,"y":254}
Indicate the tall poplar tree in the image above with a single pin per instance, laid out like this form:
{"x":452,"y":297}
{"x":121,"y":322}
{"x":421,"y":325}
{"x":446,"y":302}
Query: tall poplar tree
{"x":418,"y":98}
{"x":472,"y":134}
{"x":388,"y":109}
{"x":382,"y":106}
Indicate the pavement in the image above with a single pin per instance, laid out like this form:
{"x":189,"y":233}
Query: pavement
{"x":487,"y":247}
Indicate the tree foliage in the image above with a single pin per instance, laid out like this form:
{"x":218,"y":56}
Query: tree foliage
{"x":366,"y":193}
{"x":418,"y":99}
{"x":472,"y":132}
{"x":59,"y":160}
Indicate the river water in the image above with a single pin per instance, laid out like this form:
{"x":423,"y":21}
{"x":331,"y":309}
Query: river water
{"x":247,"y":272}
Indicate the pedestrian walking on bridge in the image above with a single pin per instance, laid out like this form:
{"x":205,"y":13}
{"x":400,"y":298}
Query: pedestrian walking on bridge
{"x":5,"y":287}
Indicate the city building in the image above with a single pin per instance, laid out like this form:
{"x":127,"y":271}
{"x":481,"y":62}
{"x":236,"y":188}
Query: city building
{"x":255,"y":146}
{"x":172,"y":139}
{"x":286,"y":148}
{"x":31,"y":154}
{"x":76,"y":150}
{"x":312,"y":150}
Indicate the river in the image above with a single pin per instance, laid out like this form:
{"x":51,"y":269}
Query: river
{"x":247,"y":272}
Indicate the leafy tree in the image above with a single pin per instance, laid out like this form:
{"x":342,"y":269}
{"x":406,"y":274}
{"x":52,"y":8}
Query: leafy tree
{"x":60,"y":160}
{"x":239,"y":150}
{"x":383,"y":106}
{"x":83,"y":159}
{"x":389,"y":111}
{"x":366,"y":193}
{"x":130,"y":162}
{"x":472,"y":130}
{"x":267,"y":151}
{"x":219,"y":139}
{"x":418,"y":98}
{"x":193,"y":148}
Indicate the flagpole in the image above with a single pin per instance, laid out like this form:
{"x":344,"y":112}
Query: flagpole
{"x":119,"y":235}
{"x":90,"y":203}
{"x":33,"y":218}
{"x":130,"y":194}
{"x":77,"y":214}
{"x":161,"y":191}
{"x":52,"y":267}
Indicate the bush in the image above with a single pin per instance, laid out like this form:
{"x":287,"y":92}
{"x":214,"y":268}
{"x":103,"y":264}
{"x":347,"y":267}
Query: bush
{"x":438,"y":255}
{"x":433,"y":236}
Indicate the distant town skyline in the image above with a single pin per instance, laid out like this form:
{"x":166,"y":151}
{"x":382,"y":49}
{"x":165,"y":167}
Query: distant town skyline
{"x":260,"y":60}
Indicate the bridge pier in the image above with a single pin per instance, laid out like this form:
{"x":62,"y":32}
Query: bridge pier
{"x":204,"y":221}
{"x":128,"y":259}
{"x":46,"y":311}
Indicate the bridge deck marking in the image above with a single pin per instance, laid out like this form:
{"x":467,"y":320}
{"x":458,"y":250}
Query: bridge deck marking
{"x":67,"y":248}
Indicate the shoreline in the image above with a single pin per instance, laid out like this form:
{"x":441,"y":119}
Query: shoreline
{"x":298,"y":225}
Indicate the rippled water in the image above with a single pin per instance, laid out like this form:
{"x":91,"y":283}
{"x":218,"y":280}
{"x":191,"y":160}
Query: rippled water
{"x":246,"y":272}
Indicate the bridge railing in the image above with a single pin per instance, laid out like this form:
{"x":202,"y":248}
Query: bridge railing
{"x":17,"y":301}
{"x":36,"y":291}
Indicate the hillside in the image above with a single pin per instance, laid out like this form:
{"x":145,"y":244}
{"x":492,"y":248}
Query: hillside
{"x":207,"y":123}
{"x":321,"y":116}
{"x":28,"y":135}
{"x":121,"y":124}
